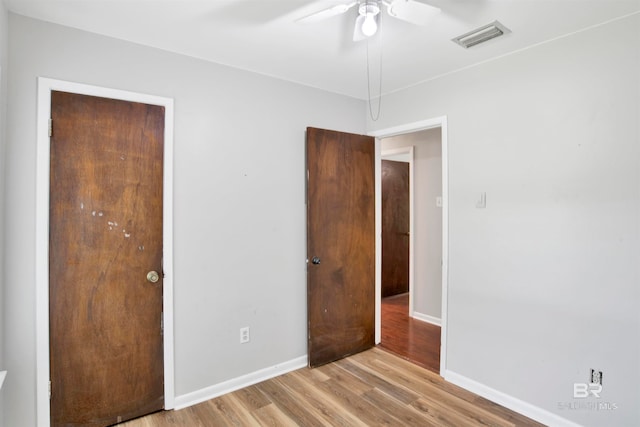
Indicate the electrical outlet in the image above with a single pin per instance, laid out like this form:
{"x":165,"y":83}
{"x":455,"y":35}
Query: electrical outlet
{"x":596,"y":377}
{"x":244,"y":335}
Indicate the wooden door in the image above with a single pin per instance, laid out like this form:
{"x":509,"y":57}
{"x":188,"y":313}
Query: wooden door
{"x":340,"y":244}
{"x":106,"y":346}
{"x":395,"y":228}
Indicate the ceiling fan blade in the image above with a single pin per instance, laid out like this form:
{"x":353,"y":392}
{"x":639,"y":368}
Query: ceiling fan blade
{"x":327,"y":13}
{"x":412,"y":11}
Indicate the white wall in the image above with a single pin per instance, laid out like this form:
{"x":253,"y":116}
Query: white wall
{"x":240,"y":215}
{"x":427,"y":166}
{"x":544,"y":282}
{"x":4,"y":51}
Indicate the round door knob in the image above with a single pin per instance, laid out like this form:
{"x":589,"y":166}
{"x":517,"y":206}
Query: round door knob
{"x":315,"y":260}
{"x":153,"y":276}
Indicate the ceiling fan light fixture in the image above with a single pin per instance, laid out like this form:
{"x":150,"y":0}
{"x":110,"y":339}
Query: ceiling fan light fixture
{"x":369,"y":26}
{"x":369,"y":8}
{"x":370,"y":11}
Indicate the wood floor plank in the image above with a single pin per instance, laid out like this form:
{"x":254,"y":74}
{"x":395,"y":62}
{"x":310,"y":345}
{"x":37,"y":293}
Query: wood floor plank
{"x":331,"y":408}
{"x":372,"y":388}
{"x":252,"y":398}
{"x":393,"y":362}
{"x":271,"y":415}
{"x":181,"y":418}
{"x":206,"y":414}
{"x":287,"y":403}
{"x":507,"y":414}
{"x":236,"y":413}
{"x":347,"y":379}
{"x":390,"y":362}
{"x":365,"y":411}
{"x":434,"y":395}
{"x":407,"y":414}
{"x":432,"y":410}
{"x":399,"y":393}
{"x":440,"y":415}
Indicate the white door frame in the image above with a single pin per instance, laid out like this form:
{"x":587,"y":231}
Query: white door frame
{"x":436,"y":122}
{"x":408,"y":154}
{"x":45,"y":86}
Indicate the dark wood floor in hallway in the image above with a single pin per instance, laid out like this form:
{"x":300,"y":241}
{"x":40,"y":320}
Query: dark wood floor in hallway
{"x":411,"y":339}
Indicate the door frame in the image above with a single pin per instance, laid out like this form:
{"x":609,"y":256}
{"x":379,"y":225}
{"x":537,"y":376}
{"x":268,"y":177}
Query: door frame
{"x":435,"y":122}
{"x":409,"y":152}
{"x":45,"y":87}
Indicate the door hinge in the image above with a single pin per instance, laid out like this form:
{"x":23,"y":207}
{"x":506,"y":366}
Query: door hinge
{"x":162,"y":323}
{"x":50,"y":128}
{"x":49,"y":390}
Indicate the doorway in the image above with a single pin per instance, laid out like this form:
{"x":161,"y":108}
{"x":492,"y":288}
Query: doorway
{"x":45,"y":89}
{"x":422,"y":306}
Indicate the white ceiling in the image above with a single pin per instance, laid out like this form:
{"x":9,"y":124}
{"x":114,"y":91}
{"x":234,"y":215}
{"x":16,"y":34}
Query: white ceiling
{"x":262,"y":35}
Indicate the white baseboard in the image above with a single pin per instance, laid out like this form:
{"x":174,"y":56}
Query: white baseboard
{"x":517,"y":405}
{"x":234,"y":384}
{"x":426,"y":318}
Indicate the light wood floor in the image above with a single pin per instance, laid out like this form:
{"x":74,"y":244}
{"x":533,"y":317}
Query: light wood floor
{"x":372,"y":388}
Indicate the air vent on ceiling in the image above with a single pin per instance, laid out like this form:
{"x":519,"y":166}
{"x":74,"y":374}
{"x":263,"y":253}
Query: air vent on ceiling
{"x":481,"y":35}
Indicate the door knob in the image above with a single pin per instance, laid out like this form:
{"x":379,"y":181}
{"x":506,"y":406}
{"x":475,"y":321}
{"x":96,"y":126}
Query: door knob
{"x":315,"y":260}
{"x":153,"y":276}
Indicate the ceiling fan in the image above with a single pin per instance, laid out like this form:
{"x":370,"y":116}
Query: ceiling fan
{"x":366,"y":24}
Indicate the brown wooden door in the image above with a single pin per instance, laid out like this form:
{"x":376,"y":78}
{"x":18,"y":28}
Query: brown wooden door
{"x":340,"y":236}
{"x":395,"y":228}
{"x":106,"y":346}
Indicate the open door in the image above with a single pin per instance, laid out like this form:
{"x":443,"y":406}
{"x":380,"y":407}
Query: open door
{"x":340,"y":244}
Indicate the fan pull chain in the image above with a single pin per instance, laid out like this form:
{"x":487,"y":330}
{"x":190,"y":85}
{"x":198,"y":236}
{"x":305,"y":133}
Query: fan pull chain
{"x":377,"y":115}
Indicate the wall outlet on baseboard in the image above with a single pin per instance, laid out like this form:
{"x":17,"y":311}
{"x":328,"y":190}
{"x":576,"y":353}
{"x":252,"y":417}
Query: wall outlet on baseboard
{"x":244,"y":335}
{"x":596,"y":377}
